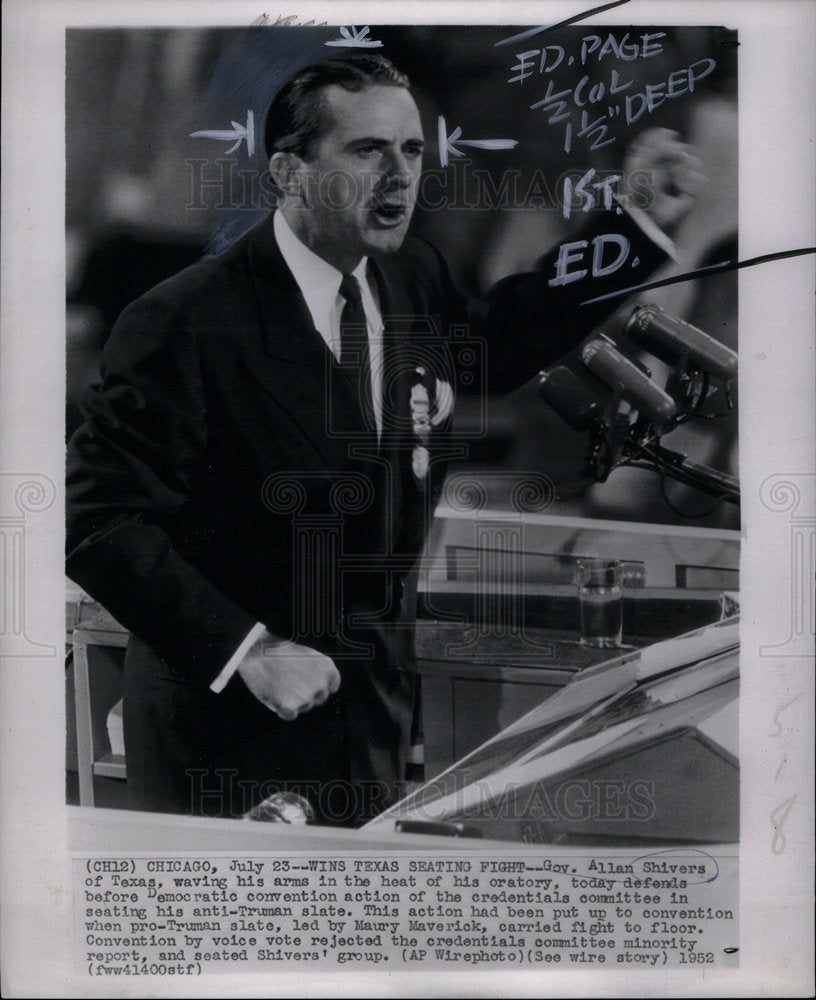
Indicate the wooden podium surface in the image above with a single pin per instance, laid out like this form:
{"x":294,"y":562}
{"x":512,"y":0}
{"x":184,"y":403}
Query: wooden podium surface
{"x":475,"y":684}
{"x":477,"y":680}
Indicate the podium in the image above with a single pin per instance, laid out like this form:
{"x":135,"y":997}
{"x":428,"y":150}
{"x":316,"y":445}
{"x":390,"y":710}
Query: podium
{"x":639,"y":749}
{"x":497,"y":610}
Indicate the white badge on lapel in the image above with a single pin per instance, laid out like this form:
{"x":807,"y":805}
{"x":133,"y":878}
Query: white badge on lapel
{"x":431,"y":404}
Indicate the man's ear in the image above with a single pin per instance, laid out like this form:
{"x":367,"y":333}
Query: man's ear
{"x":284,"y":168}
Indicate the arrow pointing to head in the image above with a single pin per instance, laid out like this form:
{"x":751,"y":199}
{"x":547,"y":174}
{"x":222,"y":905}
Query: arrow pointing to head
{"x":238,"y":132}
{"x":355,"y":39}
{"x":448,"y":143}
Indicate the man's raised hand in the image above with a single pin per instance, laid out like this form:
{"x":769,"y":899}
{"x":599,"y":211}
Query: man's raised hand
{"x":674,"y":176}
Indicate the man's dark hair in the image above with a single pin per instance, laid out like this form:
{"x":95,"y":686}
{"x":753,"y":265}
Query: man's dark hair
{"x":295,"y":120}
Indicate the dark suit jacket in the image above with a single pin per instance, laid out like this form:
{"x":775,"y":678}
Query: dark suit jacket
{"x":225,"y":474}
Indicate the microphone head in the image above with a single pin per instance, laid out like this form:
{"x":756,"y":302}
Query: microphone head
{"x":622,"y":376}
{"x":575,"y":395}
{"x":671,"y":339}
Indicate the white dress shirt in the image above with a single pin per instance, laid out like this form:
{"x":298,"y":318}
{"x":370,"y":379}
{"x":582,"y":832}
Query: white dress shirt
{"x":319,"y":283}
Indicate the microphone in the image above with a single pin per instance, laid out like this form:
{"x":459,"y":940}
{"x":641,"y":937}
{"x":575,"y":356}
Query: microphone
{"x":576,"y":396}
{"x":671,"y":339}
{"x":623,"y":376}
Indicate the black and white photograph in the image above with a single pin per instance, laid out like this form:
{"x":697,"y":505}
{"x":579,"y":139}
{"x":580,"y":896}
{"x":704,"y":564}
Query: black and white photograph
{"x":408,"y":514}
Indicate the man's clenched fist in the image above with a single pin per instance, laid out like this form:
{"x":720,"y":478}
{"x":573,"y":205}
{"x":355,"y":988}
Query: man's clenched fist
{"x":288,"y":678}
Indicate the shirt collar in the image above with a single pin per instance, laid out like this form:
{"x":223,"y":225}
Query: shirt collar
{"x":317,"y":279}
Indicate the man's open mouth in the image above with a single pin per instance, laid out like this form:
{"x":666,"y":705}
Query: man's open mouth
{"x":390,"y":212}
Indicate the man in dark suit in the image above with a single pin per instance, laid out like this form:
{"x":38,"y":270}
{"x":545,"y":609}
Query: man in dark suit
{"x":251,"y":484}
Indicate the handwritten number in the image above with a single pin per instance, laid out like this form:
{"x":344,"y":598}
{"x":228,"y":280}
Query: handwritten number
{"x":778,"y":817}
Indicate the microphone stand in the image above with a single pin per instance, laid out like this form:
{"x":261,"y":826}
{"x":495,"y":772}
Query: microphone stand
{"x":676,"y":466}
{"x":614,"y":443}
{"x":621,"y":434}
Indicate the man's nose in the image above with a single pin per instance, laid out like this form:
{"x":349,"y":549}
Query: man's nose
{"x":397,"y":168}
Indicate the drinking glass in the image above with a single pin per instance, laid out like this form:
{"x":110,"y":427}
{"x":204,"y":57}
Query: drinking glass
{"x":601,"y":602}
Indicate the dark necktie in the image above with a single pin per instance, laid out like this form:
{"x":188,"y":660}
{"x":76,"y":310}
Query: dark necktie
{"x":354,"y":353}
{"x":353,"y":329}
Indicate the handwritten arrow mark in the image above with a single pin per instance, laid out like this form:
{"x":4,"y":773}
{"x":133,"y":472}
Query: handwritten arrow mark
{"x":448,"y":143}
{"x":238,"y":132}
{"x":355,"y":39}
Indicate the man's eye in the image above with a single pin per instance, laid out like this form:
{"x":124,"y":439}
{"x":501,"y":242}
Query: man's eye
{"x":367,"y":150}
{"x":413,"y":150}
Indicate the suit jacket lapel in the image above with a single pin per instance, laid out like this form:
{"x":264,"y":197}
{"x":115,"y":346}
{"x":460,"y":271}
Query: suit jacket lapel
{"x":397,"y":314}
{"x":396,"y":446}
{"x":416,"y":356}
{"x":296,"y":366}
